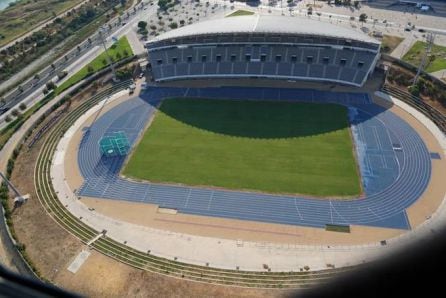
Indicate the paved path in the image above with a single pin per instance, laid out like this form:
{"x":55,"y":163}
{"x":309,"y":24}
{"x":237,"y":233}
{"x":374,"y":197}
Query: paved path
{"x":403,"y":47}
{"x":441,"y":74}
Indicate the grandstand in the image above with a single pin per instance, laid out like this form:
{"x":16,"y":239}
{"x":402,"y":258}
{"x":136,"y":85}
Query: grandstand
{"x":264,"y":46}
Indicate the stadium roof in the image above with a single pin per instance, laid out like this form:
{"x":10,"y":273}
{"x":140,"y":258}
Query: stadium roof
{"x":266,"y":24}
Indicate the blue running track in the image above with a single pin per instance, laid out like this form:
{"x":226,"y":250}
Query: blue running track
{"x":394,"y":162}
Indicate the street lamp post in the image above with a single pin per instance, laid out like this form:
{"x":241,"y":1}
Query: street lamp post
{"x":110,"y":60}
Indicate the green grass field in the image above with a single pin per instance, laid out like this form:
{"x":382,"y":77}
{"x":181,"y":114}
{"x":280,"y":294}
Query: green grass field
{"x":435,"y":63}
{"x":122,"y":47}
{"x":240,"y":12}
{"x":275,"y":147}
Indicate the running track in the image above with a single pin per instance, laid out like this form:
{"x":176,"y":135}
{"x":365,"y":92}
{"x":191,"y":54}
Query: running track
{"x":394,"y":163}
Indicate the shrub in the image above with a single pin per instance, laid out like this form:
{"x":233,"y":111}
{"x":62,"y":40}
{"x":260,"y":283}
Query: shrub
{"x":15,"y":112}
{"x":50,"y":85}
{"x":22,"y":106}
{"x":414,"y":90}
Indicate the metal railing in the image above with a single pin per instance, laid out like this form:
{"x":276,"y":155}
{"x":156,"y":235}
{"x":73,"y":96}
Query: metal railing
{"x":429,"y":111}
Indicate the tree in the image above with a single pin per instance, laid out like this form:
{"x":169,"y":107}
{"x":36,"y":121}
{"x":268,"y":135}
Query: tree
{"x":363,"y":18}
{"x":126,"y":53}
{"x":310,"y":10}
{"x":142,"y":25}
{"x":173,"y":25}
{"x":20,"y":88}
{"x":118,"y":56}
{"x":356,"y":4}
{"x":22,"y":106}
{"x":8,"y":118}
{"x":50,"y":85}
{"x":53,"y":66}
{"x":15,"y":112}
{"x":90,"y":68}
{"x":37,"y":77}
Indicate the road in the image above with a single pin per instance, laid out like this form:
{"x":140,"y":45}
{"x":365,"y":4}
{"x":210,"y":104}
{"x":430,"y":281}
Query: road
{"x":74,"y":57}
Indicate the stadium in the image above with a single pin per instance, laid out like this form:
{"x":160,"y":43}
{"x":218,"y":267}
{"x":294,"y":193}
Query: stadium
{"x":260,"y":153}
{"x":264,"y":46}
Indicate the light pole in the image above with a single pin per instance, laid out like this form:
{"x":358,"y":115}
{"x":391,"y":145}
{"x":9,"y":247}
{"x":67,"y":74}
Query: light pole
{"x":110,"y":60}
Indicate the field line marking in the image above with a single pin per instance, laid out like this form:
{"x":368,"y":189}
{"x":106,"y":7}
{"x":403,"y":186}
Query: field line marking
{"x":374,"y":213}
{"x":297,"y":209}
{"x":331,"y":206}
{"x":210,"y":200}
{"x":188,"y":197}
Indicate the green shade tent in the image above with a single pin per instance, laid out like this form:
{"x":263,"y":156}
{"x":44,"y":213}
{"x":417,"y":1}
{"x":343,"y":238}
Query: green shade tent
{"x":114,"y":144}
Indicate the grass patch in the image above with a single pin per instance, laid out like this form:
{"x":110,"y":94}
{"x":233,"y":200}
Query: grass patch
{"x":389,"y":43}
{"x":436,"y":62}
{"x":275,"y":147}
{"x":240,"y":12}
{"x":118,"y":51}
{"x":337,"y":228}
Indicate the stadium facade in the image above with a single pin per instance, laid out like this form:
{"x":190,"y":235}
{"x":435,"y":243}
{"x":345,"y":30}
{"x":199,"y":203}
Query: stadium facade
{"x":259,"y":46}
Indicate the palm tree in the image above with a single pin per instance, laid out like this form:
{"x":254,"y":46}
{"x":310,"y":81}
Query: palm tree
{"x":363,"y":18}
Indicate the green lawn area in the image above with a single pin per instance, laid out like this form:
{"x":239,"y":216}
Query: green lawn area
{"x":274,"y":147}
{"x":118,"y":51}
{"x":415,"y":54}
{"x":240,"y":12}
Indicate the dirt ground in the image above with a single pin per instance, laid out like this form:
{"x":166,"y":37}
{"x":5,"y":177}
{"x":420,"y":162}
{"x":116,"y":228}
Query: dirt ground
{"x":101,"y":276}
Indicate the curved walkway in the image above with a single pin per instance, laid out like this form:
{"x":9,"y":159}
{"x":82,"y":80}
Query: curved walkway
{"x":383,"y":207}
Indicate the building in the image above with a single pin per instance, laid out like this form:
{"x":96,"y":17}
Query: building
{"x":256,"y":46}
